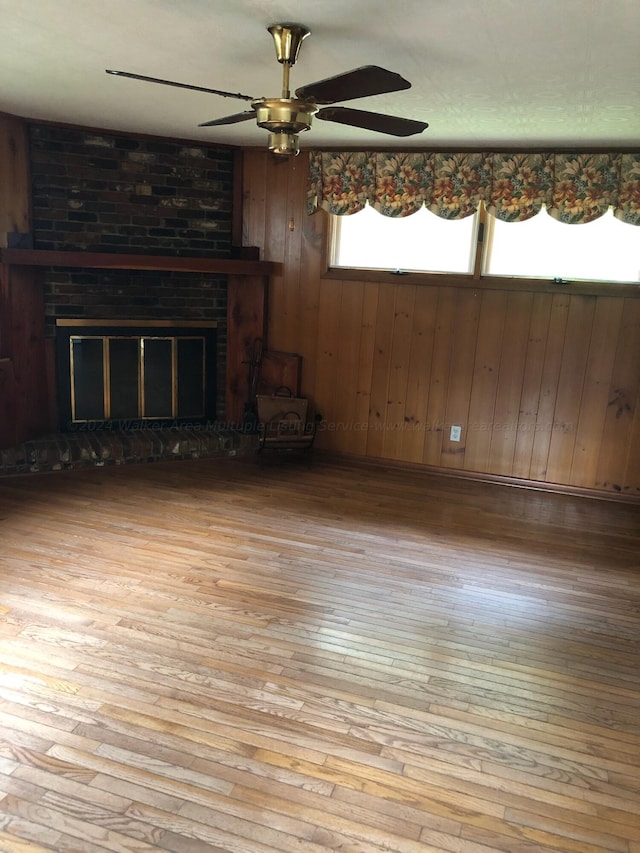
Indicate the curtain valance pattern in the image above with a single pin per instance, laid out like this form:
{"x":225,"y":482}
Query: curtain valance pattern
{"x":574,"y":187}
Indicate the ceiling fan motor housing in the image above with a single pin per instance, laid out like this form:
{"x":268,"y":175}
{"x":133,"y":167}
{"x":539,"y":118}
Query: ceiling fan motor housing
{"x":284,"y":115}
{"x":284,"y":118}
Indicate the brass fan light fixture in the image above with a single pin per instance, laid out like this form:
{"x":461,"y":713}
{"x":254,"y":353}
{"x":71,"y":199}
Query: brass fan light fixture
{"x":286,"y":117}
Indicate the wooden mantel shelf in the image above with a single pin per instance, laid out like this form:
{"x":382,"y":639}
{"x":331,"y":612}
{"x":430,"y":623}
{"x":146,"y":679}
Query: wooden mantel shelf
{"x":247,"y":288}
{"x":107,"y":260}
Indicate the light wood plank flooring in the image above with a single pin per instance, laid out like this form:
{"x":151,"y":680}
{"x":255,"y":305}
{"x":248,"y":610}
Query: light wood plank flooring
{"x":223,"y":656}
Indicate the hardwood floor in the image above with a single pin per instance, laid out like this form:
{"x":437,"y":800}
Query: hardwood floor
{"x":218,"y":656}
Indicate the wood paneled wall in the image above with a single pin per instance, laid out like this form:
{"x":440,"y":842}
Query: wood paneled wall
{"x":545,"y":385}
{"x":15,"y":195}
{"x":24,"y":402}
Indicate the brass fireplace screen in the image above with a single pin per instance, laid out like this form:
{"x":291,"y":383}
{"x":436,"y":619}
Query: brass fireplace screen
{"x":110,"y":371}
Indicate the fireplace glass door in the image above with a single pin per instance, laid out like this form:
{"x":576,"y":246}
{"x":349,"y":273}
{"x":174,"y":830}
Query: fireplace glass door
{"x":115,"y":375}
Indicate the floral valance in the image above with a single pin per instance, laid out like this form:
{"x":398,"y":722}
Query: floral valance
{"x":574,"y":187}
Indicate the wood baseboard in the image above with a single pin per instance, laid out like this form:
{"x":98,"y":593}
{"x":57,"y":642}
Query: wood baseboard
{"x":515,"y":482}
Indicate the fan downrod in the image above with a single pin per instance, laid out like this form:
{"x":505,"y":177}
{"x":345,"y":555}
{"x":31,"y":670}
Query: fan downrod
{"x":285,"y":117}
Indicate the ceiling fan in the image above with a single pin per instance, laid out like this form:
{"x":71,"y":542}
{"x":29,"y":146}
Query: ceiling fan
{"x":285,"y":117}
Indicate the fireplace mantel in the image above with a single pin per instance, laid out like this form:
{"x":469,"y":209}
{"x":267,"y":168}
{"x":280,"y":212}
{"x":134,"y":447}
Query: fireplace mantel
{"x":29,"y":361}
{"x":117,"y":261}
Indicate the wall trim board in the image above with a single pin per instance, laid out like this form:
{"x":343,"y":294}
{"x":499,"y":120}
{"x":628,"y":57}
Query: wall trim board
{"x":518,"y":285}
{"x":458,"y":474}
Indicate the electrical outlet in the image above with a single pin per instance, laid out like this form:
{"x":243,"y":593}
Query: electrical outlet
{"x":456,"y":432}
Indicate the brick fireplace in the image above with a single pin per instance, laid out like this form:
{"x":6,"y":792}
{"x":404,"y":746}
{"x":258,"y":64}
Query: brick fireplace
{"x":135,"y":233}
{"x":108,"y":193}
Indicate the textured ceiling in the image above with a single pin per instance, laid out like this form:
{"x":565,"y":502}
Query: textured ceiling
{"x":484,"y":72}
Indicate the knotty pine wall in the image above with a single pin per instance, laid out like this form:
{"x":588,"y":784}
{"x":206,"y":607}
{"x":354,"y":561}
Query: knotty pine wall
{"x":24,"y":404}
{"x":14,"y":177}
{"x":546,"y":384}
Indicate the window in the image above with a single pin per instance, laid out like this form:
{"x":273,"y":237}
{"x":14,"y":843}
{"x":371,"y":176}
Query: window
{"x":541,"y":247}
{"x":603,"y":250}
{"x":422,"y":242}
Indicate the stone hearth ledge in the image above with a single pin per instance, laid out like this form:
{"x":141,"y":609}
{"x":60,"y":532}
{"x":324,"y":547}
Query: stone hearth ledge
{"x":101,"y":448}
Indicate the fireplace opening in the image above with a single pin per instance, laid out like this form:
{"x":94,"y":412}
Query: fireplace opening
{"x":126,"y":374}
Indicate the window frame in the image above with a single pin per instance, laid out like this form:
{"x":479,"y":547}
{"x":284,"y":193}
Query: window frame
{"x":472,"y":246}
{"x":476,"y":279}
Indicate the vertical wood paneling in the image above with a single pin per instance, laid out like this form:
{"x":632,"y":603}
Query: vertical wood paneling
{"x":549,"y":386}
{"x":532,"y":384}
{"x":460,"y":376}
{"x":6,"y":319}
{"x":399,"y":372}
{"x":15,"y":194}
{"x":276,"y":235}
{"x":21,"y":297}
{"x":292,"y":280}
{"x":51,"y":381}
{"x":593,"y":409}
{"x":420,"y":360}
{"x":570,"y":384}
{"x":24,"y":396}
{"x":510,"y":382}
{"x":631,"y":483}
{"x":440,"y":369}
{"x":393,"y":356}
{"x":327,"y":361}
{"x":623,"y":397}
{"x":254,"y":208}
{"x":348,"y":359}
{"x":382,"y":349}
{"x":246,"y":318}
{"x":309,"y":295}
{"x":365,"y":368}
{"x":477,"y":437}
{"x":8,"y":419}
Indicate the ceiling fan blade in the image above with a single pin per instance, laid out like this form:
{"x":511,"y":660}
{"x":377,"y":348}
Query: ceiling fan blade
{"x":367,"y":80}
{"x":393,"y":125}
{"x":234,"y":119}
{"x":180,"y":85}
